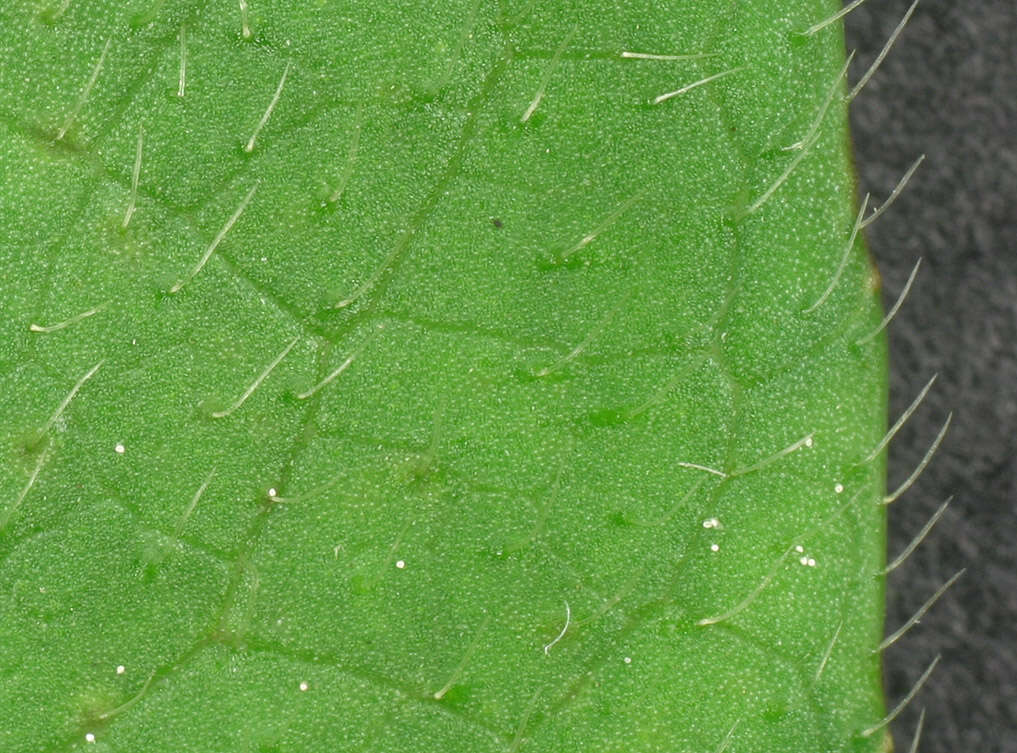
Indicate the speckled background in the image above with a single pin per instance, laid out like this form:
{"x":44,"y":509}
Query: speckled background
{"x":949,"y":90}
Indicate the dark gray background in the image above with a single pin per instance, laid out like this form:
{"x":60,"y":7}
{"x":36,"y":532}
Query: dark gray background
{"x":949,"y":89}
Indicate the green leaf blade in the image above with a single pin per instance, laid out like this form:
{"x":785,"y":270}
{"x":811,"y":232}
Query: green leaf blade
{"x":511,"y":445}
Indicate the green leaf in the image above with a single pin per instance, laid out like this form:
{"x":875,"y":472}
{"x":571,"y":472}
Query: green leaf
{"x":411,"y":378}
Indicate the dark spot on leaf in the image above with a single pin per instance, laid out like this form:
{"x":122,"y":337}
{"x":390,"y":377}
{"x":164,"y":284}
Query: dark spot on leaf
{"x":620,"y":519}
{"x":31,"y":442}
{"x":775,"y":712}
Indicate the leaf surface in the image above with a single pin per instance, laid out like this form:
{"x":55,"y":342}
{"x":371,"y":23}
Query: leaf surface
{"x":440,"y":384}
